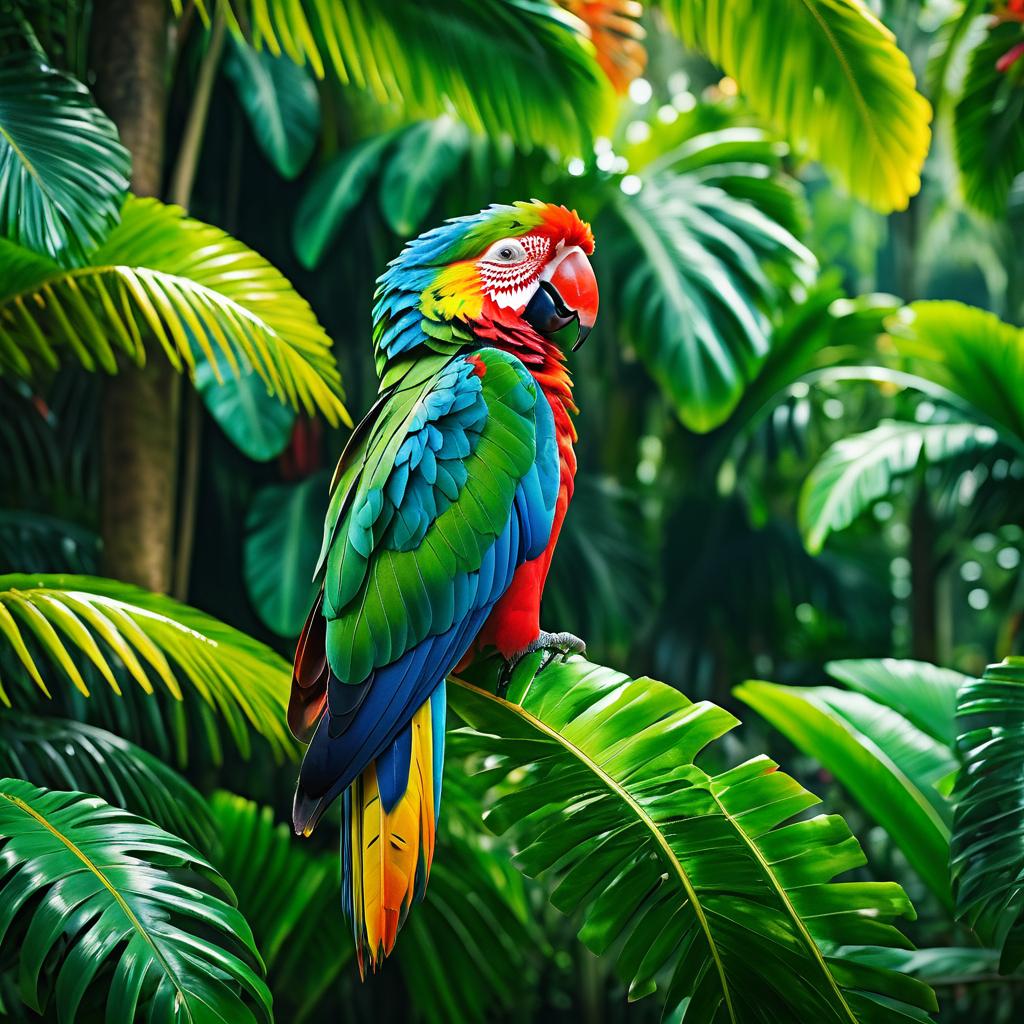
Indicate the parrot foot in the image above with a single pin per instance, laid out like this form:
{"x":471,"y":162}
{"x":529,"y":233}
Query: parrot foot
{"x":555,"y":645}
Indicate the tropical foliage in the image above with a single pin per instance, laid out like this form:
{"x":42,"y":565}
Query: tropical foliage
{"x":801,"y":448}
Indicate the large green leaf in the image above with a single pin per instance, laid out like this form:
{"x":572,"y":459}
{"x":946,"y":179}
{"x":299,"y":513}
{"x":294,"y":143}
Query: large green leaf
{"x":257,"y":422}
{"x":282,"y":105}
{"x":64,"y":754}
{"x":128,"y":633}
{"x":971,"y":355}
{"x":829,"y":75}
{"x":924,"y":694}
{"x":988,"y":123}
{"x":334,"y":193}
{"x":424,"y":158}
{"x":988,"y":829}
{"x":63,"y":172}
{"x":692,"y":878}
{"x":94,"y":887}
{"x":698,"y":270}
{"x":546,"y":89}
{"x":890,"y":767}
{"x":860,"y":469}
{"x":180,"y":281}
{"x":283,"y":531}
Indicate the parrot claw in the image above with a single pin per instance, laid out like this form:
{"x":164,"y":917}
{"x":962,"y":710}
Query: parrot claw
{"x":555,"y":645}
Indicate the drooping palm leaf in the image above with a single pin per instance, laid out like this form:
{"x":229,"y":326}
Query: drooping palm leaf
{"x":63,"y":172}
{"x":829,"y":75}
{"x":127,"y":633}
{"x":94,"y":886}
{"x":282,"y":105}
{"x":183,"y":282}
{"x":859,"y":469}
{"x":987,"y":860}
{"x":890,"y":767}
{"x":699,"y":269}
{"x":429,"y":56}
{"x":63,"y":754}
{"x":988,"y":123}
{"x":33,"y":542}
{"x":689,"y":876}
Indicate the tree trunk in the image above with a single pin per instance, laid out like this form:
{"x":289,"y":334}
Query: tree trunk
{"x":139,"y":434}
{"x":923,"y":579}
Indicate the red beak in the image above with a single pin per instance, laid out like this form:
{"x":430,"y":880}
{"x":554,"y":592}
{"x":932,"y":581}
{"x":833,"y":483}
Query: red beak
{"x":574,"y":281}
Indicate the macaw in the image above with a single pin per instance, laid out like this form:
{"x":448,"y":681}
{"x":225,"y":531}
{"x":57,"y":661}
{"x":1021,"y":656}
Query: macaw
{"x":444,"y":513}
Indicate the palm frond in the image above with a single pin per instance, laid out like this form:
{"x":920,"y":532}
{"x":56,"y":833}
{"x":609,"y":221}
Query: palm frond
{"x":550,"y":89}
{"x":987,"y":862}
{"x":126,"y":633}
{"x":95,"y":887}
{"x":692,"y":878}
{"x":63,"y":754}
{"x":830,"y":77}
{"x":64,"y":173}
{"x":859,"y":469}
{"x":185,"y":283}
{"x":33,"y":542}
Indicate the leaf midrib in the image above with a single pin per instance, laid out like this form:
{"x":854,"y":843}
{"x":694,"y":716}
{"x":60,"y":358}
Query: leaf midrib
{"x":181,"y":998}
{"x":640,"y":813}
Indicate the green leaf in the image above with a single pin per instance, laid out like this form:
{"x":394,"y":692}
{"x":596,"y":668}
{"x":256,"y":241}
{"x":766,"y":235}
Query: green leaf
{"x":334,"y":193}
{"x":289,"y":894}
{"x":282,"y":541}
{"x":688,"y":876}
{"x":63,"y":172}
{"x":257,"y":423}
{"x":63,"y":754}
{"x":923,"y":693}
{"x":891,"y":768}
{"x":281,"y":102}
{"x":33,"y":542}
{"x":161,"y":274}
{"x":546,"y":90}
{"x":155,"y":641}
{"x":424,"y":158}
{"x":858,"y":470}
{"x":988,"y":124}
{"x":830,"y":77}
{"x":971,"y":355}
{"x":987,"y":860}
{"x":699,"y":270}
{"x":88,"y":886}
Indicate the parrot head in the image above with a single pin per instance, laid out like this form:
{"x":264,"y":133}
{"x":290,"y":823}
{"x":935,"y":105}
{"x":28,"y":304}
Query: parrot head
{"x":506,"y":273}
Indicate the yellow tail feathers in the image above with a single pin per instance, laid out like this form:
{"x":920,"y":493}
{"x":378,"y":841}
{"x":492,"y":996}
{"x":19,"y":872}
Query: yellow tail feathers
{"x":391,"y":851}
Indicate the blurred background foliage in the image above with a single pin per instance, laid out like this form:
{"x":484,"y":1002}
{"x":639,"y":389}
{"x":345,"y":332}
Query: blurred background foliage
{"x":801,"y":412}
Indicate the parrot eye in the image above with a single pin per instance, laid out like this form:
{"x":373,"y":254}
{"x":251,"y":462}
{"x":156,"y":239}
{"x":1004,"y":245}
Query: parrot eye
{"x":508,"y":250}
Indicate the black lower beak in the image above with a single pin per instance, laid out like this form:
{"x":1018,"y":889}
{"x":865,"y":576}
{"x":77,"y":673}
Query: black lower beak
{"x":546,"y":312}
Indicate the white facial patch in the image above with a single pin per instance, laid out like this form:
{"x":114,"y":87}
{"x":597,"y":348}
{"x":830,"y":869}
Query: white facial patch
{"x":510,"y":283}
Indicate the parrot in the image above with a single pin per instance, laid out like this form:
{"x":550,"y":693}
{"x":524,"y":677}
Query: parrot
{"x":443,"y":515}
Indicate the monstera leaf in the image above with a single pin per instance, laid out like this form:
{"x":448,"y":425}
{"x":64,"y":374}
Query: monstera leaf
{"x":63,"y":170}
{"x":548,"y":90}
{"x":185,"y":283}
{"x":90,"y":890}
{"x":64,"y":754}
{"x":700,"y":882}
{"x":127,"y":634}
{"x":830,"y":77}
{"x":988,"y":831}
